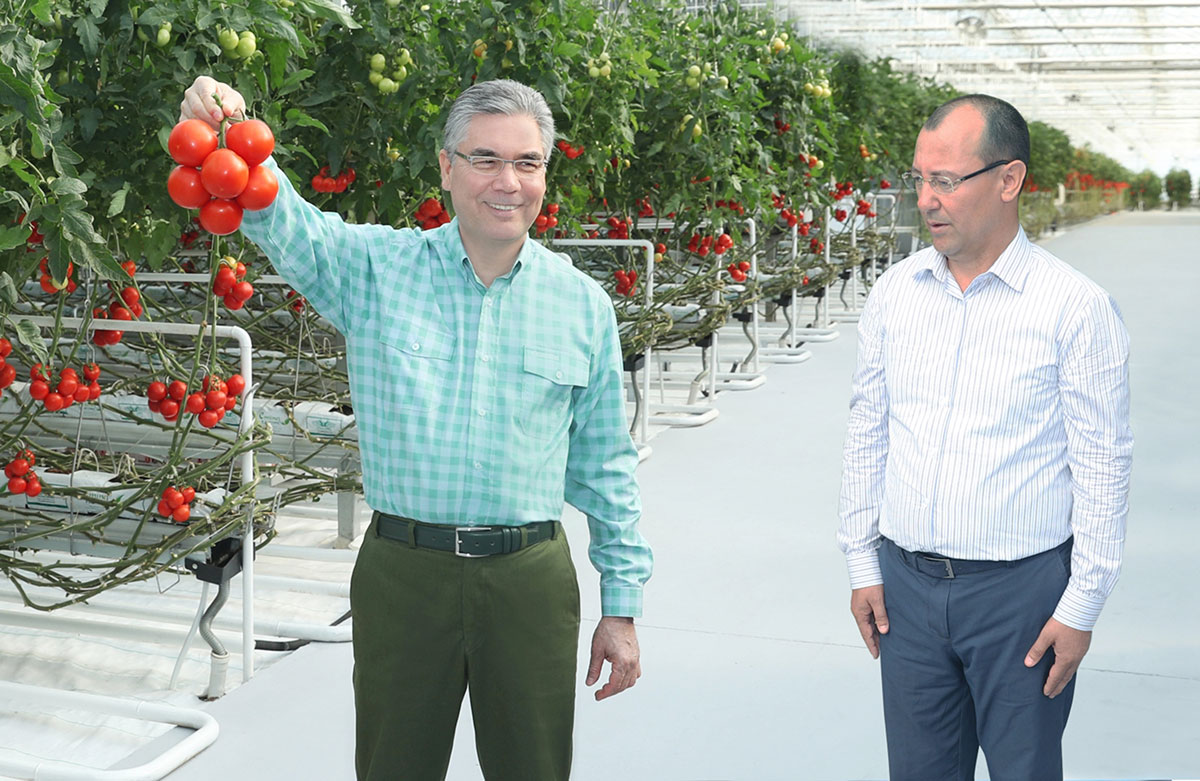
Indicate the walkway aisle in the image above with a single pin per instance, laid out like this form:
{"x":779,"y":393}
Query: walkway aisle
{"x":753,"y":669}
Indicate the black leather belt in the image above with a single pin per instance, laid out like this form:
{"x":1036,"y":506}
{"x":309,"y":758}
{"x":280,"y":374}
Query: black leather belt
{"x":467,"y":541}
{"x":942,"y":567}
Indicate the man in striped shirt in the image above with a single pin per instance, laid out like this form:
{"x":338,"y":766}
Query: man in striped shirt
{"x":986,"y":466}
{"x":486,"y":378}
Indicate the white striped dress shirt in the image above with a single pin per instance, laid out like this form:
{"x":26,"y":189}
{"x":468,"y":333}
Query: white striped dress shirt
{"x":991,"y":423}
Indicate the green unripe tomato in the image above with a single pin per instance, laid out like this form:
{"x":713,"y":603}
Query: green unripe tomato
{"x":141,"y":34}
{"x":605,"y":70}
{"x":694,"y":71}
{"x":393,"y":3}
{"x":697,"y":131}
{"x":163,"y":37}
{"x":375,"y":77}
{"x":594,"y":72}
{"x":692,"y":82}
{"x":506,"y":63}
{"x":724,"y":82}
{"x":165,"y":26}
{"x":378,"y":62}
{"x":228,"y":39}
{"x":247,"y":45}
{"x":400,"y":74}
{"x":405,"y":57}
{"x":387,"y":86}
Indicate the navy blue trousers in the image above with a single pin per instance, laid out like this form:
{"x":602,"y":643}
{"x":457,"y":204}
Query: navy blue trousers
{"x":954,"y":674}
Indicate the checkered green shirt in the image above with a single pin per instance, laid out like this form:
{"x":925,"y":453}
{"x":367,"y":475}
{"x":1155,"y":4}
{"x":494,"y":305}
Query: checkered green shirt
{"x":475,"y":405}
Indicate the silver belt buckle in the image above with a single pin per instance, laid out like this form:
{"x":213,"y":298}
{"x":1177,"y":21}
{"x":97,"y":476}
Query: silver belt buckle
{"x":949,"y":569}
{"x":458,"y":551}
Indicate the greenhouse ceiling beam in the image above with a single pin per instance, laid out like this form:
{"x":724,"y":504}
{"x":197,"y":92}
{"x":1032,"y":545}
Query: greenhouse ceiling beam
{"x":1089,"y":62}
{"x":935,"y":28}
{"x":1053,"y":42}
{"x":1036,"y":5}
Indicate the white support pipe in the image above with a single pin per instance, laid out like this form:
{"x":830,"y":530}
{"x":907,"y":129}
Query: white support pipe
{"x":25,"y":696}
{"x":648,"y":293}
{"x":752,"y":228}
{"x":246,"y":349}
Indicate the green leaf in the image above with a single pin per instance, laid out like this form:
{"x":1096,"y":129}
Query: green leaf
{"x":13,"y":237}
{"x":297,"y":118}
{"x":89,"y":35}
{"x":98,"y":7}
{"x":77,"y":222}
{"x":331,"y":10}
{"x":118,"y":201}
{"x":65,"y":185}
{"x":30,"y":336}
{"x":567,"y":50}
{"x":41,"y":10}
{"x":8,"y":291}
{"x":293,"y":80}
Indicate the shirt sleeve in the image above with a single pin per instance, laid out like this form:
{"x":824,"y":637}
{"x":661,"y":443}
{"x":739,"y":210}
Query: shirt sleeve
{"x":864,"y":456}
{"x":321,"y":256}
{"x":601,"y":480}
{"x":1094,"y":392}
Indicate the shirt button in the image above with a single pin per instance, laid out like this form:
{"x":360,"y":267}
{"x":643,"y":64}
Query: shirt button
{"x":482,"y":412}
{"x":558,"y":375}
{"x":416,"y":346}
{"x":478,"y":465}
{"x":486,"y":358}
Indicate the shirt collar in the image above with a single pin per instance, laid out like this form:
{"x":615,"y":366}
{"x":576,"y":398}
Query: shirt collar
{"x":1012,"y":267}
{"x":456,"y":254}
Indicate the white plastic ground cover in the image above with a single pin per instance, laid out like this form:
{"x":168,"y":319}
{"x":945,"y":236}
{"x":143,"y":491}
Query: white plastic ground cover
{"x":286,"y":590}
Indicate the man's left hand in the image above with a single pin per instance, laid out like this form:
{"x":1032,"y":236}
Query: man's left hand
{"x":615,"y":639}
{"x":1069,"y":646}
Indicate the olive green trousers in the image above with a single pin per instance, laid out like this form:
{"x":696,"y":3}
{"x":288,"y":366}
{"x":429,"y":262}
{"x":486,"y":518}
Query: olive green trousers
{"x":428,"y":625}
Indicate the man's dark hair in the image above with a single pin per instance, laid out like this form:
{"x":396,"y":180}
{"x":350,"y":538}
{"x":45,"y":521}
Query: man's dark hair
{"x":1005,"y":134}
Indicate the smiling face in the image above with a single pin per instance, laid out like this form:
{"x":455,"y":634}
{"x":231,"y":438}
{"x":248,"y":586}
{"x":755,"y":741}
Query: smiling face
{"x":972,"y":225}
{"x":495,"y":212}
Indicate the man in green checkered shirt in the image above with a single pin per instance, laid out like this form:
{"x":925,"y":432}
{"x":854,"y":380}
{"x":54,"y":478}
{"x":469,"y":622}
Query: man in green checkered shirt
{"x":486,"y":379}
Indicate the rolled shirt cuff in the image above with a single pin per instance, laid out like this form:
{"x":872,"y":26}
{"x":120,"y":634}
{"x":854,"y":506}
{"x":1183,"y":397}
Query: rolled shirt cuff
{"x":624,"y":601}
{"x":864,"y":569}
{"x":1077,"y":610}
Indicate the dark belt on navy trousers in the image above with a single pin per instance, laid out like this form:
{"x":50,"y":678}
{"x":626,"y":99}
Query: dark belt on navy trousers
{"x":467,"y":541}
{"x":942,"y":567}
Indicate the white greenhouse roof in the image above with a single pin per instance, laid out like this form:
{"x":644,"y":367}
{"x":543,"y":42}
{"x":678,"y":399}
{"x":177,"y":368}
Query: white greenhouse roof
{"x":1120,"y":76}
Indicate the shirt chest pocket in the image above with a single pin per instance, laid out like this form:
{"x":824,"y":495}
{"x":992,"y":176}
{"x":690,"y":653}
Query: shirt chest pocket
{"x":548,"y":378}
{"x":418,"y":367}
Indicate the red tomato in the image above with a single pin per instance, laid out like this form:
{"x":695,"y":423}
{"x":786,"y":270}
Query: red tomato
{"x":224,"y":174}
{"x":54,"y":402}
{"x":163,"y":508}
{"x":242,"y":291}
{"x":191,"y":141}
{"x":220,"y":216}
{"x":215,"y":399}
{"x":252,"y":140}
{"x":236,"y":384}
{"x":19,"y":467}
{"x":186,"y":188}
{"x":91,"y":372}
{"x":233,"y":302}
{"x":177,"y":390}
{"x":82,"y":393}
{"x":157,"y":391}
{"x":33,"y":488}
{"x":195,"y":403}
{"x":230,"y":403}
{"x":17,"y":485}
{"x":5,"y":348}
{"x":130,"y":267}
{"x":94,"y":391}
{"x":261,"y":189}
{"x":181,"y":513}
{"x":173,"y":497}
{"x":189,"y":494}
{"x":209,"y":418}
{"x":169,"y":408}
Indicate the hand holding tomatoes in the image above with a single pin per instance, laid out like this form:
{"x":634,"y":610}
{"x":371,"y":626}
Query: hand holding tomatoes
{"x":199,"y":103}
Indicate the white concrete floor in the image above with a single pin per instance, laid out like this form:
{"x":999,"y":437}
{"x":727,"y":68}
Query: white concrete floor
{"x":753,"y":669}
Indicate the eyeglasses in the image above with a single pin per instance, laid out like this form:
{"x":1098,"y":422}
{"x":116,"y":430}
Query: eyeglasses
{"x":526,"y":168}
{"x":944,"y":185}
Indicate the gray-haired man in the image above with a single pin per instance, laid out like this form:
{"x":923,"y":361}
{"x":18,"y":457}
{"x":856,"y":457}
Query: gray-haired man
{"x":485,"y":374}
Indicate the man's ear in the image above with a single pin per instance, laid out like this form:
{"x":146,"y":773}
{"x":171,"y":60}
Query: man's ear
{"x":444,"y":163}
{"x":1012,"y":180}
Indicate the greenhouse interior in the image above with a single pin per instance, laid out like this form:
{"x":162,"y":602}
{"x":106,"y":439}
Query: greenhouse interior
{"x":823,"y":259}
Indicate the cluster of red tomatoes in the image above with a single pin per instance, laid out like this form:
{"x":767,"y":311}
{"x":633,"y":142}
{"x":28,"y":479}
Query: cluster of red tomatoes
{"x":571,"y":152}
{"x":626,"y":282}
{"x":224,"y":182}
{"x":176,"y":504}
{"x":781,"y":127}
{"x":298,"y":301}
{"x":786,"y":214}
{"x":702,"y":245}
{"x":47,"y":281}
{"x":68,"y":390}
{"x":209,"y":405}
{"x":843,"y":190}
{"x":618,"y":228}
{"x":126,"y":306}
{"x":324,"y":183}
{"x":547,"y":219}
{"x":21,"y":477}
{"x":644,"y":208}
{"x":229,"y":284}
{"x":734,"y":206}
{"x":737,"y":271}
{"x":431,"y":213}
{"x":8,"y":372}
{"x":863,"y":207}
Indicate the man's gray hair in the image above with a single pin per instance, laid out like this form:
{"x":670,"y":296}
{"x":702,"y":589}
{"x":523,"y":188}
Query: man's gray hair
{"x":501,"y":96}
